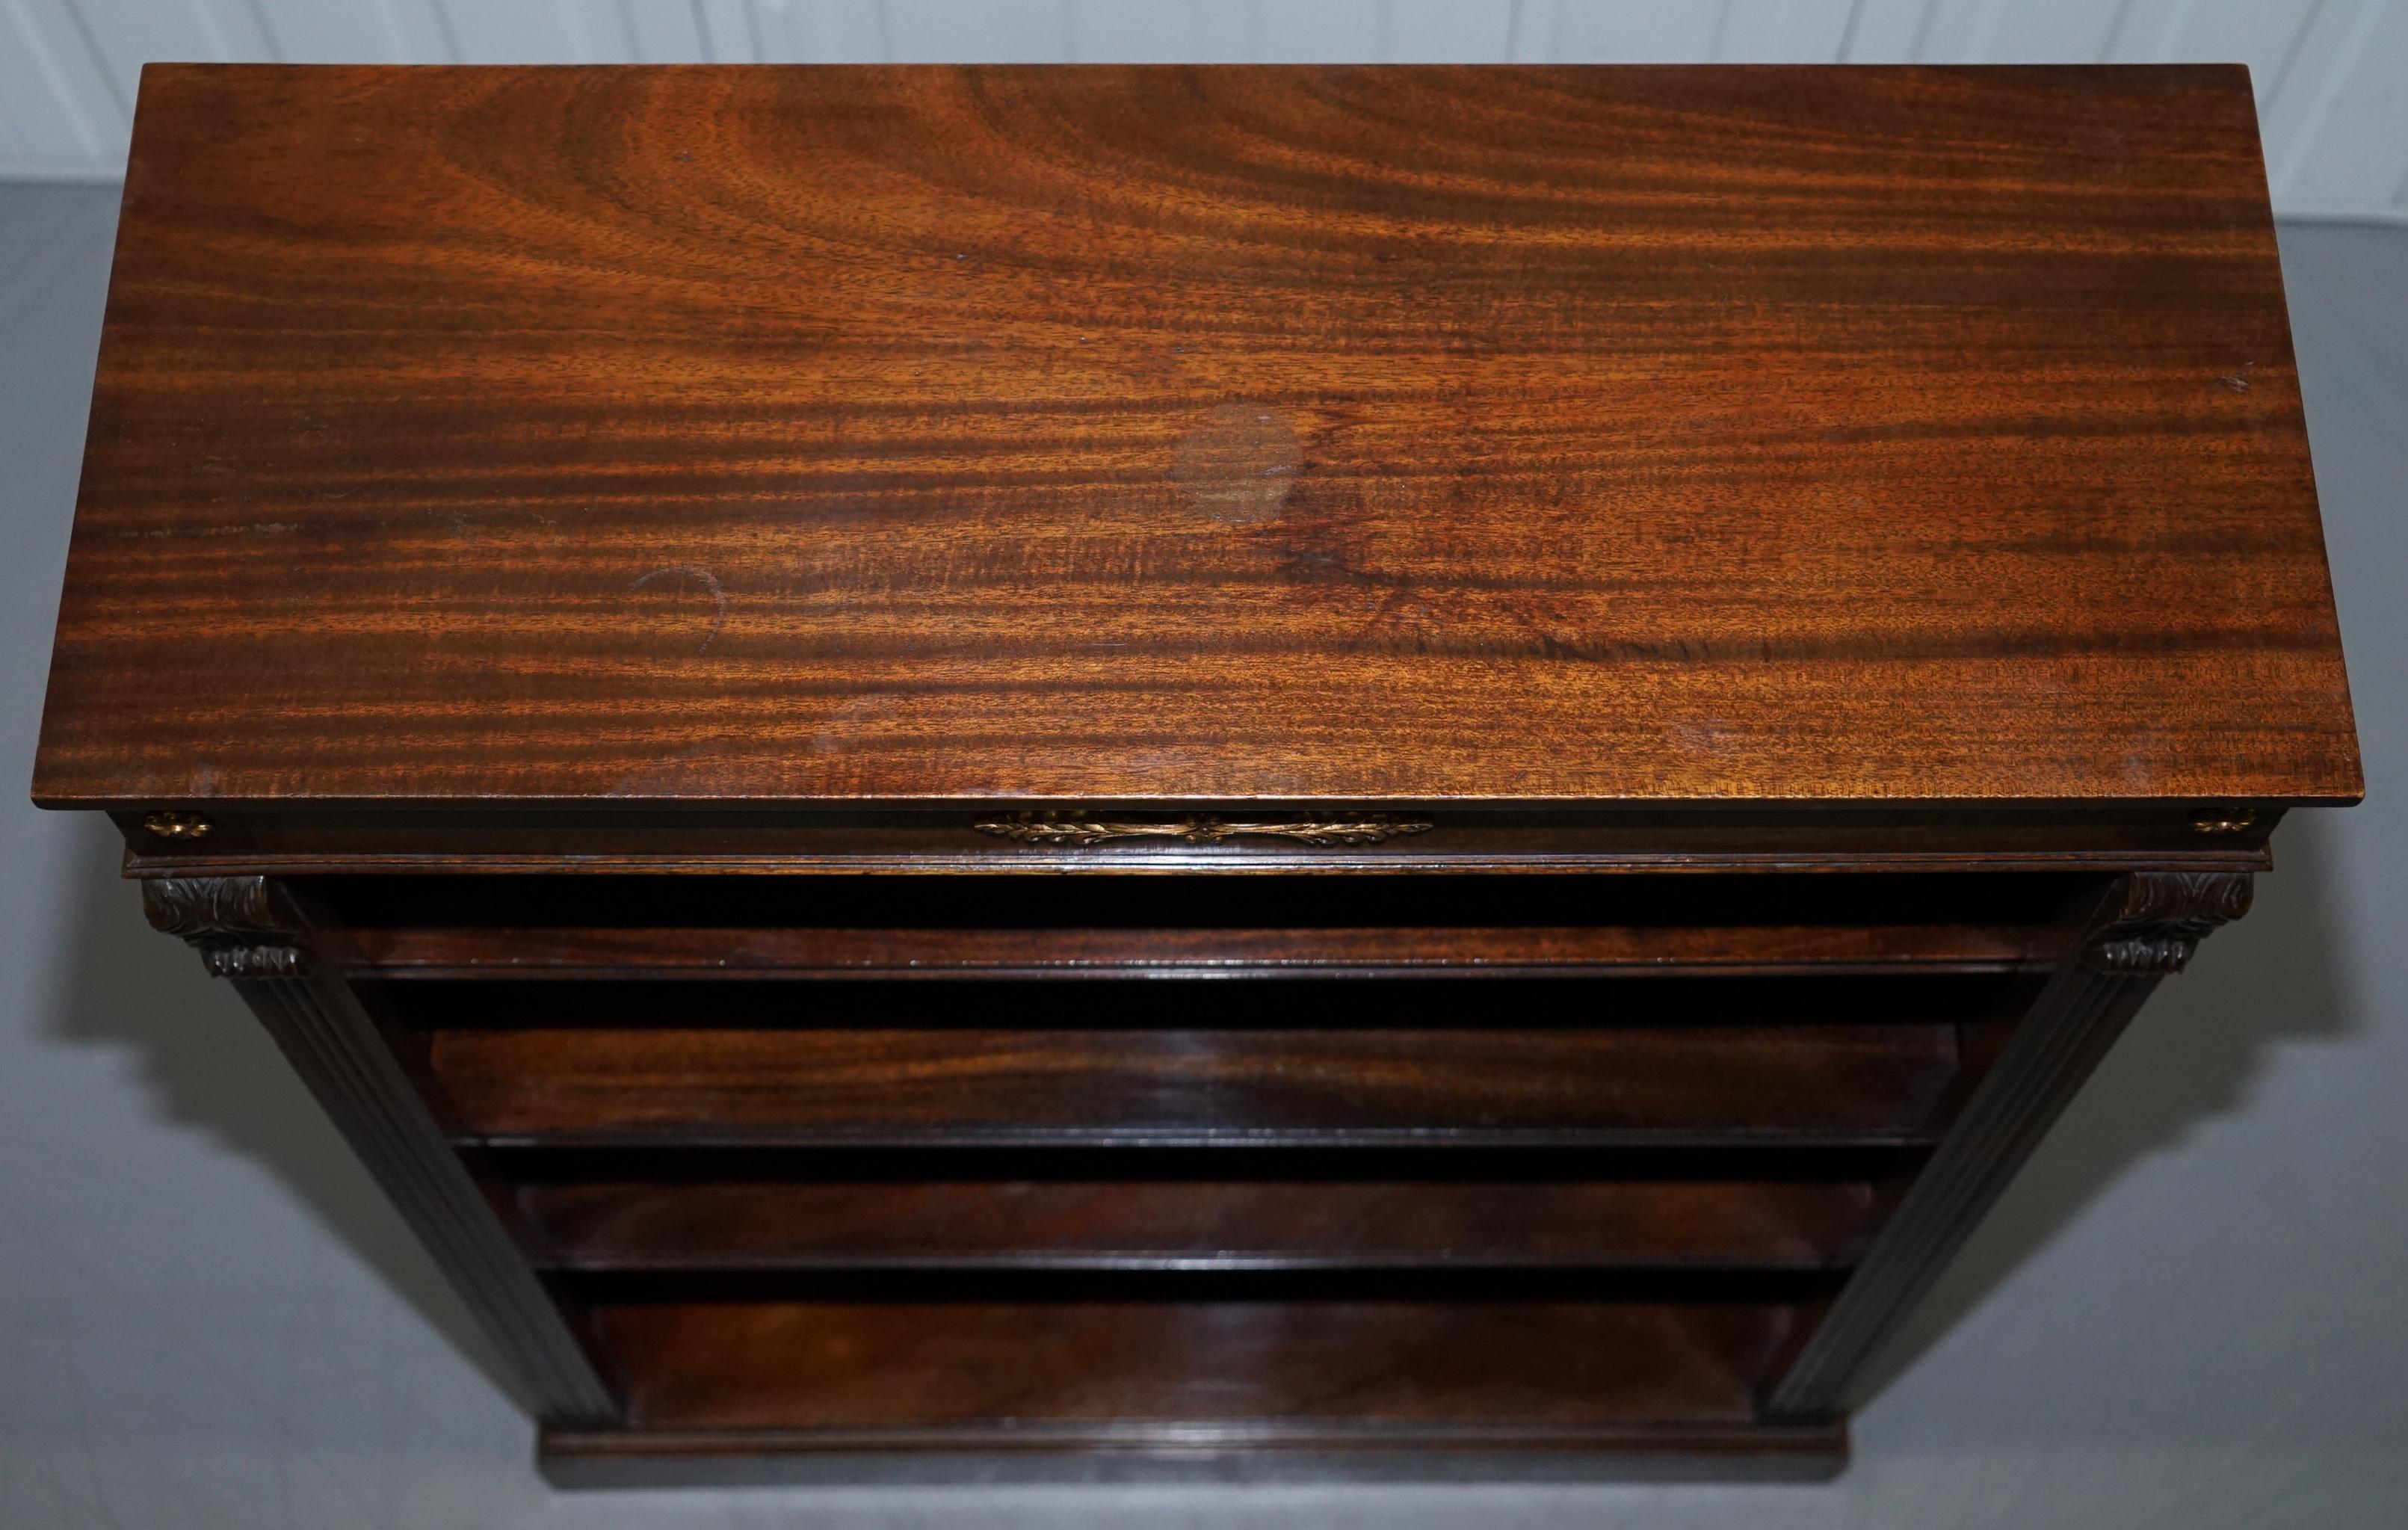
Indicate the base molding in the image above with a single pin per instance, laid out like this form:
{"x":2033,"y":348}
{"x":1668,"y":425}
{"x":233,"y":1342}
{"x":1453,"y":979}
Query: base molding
{"x":1239,"y":1451}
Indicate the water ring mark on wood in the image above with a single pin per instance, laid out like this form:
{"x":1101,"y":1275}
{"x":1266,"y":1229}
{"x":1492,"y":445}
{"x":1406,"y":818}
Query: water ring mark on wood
{"x":703,"y":579}
{"x":1239,"y":462}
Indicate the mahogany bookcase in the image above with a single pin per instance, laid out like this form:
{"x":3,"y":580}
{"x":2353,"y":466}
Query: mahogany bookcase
{"x":1253,"y":769}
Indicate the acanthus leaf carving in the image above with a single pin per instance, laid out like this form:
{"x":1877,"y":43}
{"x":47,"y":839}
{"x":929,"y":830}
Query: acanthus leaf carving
{"x":235,"y":924}
{"x":2162,"y":917}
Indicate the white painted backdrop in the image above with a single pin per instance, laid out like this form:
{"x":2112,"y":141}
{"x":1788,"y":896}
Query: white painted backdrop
{"x":2331,"y":75}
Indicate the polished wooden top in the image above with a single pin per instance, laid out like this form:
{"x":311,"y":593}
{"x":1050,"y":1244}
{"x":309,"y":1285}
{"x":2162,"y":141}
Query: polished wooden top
{"x":1581,"y":434}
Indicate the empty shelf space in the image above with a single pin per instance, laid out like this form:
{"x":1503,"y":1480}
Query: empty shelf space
{"x":1187,"y":1224}
{"x":1136,"y":1367}
{"x":1650,"y":999}
{"x":1869,"y":1084}
{"x":981,"y":925}
{"x":1194,"y":901}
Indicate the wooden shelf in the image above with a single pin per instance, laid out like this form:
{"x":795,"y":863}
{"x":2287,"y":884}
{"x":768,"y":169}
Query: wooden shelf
{"x":1194,"y":1224}
{"x":1175,"y":1371}
{"x":1338,"y":952}
{"x":1870,"y":1084}
{"x":986,"y":927}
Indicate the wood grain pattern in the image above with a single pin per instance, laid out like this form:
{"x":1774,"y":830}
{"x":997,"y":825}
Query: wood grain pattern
{"x":835,"y":1365}
{"x":1738,"y":1084}
{"x":1188,"y":435}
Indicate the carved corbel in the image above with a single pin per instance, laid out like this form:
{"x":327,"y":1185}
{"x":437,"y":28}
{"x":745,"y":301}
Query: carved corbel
{"x":2161,"y":918}
{"x":237,"y":923}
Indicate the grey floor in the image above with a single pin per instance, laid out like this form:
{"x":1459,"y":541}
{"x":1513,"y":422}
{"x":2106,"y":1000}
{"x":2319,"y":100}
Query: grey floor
{"x":2188,"y":1313}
